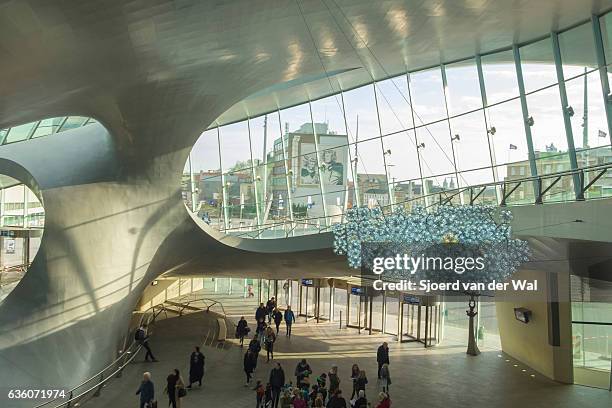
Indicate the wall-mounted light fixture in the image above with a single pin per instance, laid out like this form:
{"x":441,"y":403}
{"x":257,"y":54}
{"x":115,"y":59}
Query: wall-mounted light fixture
{"x":421,"y":145}
{"x":492,"y":130}
{"x":456,"y":137}
{"x":530,"y":121}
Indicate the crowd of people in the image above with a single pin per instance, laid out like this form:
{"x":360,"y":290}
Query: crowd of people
{"x":279,"y":391}
{"x":175,"y":388}
{"x":323,"y":391}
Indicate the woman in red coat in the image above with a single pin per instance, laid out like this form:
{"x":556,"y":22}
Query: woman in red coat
{"x":385,"y":402}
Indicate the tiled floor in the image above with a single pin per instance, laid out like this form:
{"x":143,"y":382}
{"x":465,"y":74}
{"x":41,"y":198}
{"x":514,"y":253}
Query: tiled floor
{"x":437,"y":377}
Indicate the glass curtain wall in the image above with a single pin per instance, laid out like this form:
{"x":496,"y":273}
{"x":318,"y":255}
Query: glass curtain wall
{"x":417,"y":138}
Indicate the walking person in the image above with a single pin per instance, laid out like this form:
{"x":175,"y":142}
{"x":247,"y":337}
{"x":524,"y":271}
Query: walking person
{"x":146,"y":391}
{"x":270,"y":306}
{"x":143,"y":339}
{"x":277,"y":381}
{"x":277,"y":316}
{"x":260,"y":313}
{"x":385,"y":378}
{"x":334,"y":380}
{"x":270,"y":338}
{"x":362,"y":381}
{"x":354,"y":375}
{"x":382,"y":356}
{"x":173,"y":383}
{"x":249,"y":364}
{"x":255,"y":348}
{"x":289,"y":320}
{"x":196,"y":367}
{"x":242,"y":330}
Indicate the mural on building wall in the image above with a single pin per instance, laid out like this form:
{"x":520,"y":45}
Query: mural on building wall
{"x":333,"y":159}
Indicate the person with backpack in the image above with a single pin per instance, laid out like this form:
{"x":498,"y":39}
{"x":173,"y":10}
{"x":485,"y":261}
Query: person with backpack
{"x":143,"y":339}
{"x":242,"y":330}
{"x":277,"y":316}
{"x":289,"y":320}
{"x":270,"y":338}
{"x":277,"y":381}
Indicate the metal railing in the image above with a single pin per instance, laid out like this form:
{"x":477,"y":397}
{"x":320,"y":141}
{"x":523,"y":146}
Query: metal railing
{"x":537,"y":190}
{"x":92,"y":387}
{"x":16,"y":273}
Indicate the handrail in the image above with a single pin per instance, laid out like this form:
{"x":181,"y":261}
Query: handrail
{"x":133,"y":349}
{"x":446,"y":196}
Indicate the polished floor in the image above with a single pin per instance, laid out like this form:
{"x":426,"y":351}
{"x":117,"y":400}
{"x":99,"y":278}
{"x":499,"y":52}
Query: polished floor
{"x":437,"y":377}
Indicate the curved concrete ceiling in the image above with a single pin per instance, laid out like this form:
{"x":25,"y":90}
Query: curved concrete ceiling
{"x":200,"y":58}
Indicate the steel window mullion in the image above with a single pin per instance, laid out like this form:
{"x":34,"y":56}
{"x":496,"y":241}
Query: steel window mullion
{"x":523,"y":98}
{"x":485,"y":106}
{"x":254,"y":175}
{"x":450,"y":130}
{"x":382,"y":148}
{"x":603,"y":72}
{"x":571,"y":150}
{"x":223,"y":186}
{"x":287,"y":172}
{"x":319,"y":164}
{"x":33,"y":130}
{"x":353,"y":167}
{"x":61,"y":125}
{"x":416,"y":142}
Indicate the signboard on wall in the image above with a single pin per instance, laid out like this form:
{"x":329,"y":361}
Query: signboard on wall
{"x":307,"y":282}
{"x":9,"y":246}
{"x":411,"y":299}
{"x":357,"y":290}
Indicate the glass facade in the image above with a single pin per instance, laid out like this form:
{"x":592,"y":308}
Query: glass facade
{"x":493,"y":119}
{"x":42,"y":128}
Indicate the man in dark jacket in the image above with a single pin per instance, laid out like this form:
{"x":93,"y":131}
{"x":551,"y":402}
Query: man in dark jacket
{"x":289,"y":319}
{"x":278,"y":318}
{"x":250,"y":361}
{"x":146,"y":390}
{"x":270,"y":306}
{"x":261,"y":312}
{"x":255,"y":348}
{"x":277,"y":381}
{"x":382,"y":356}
